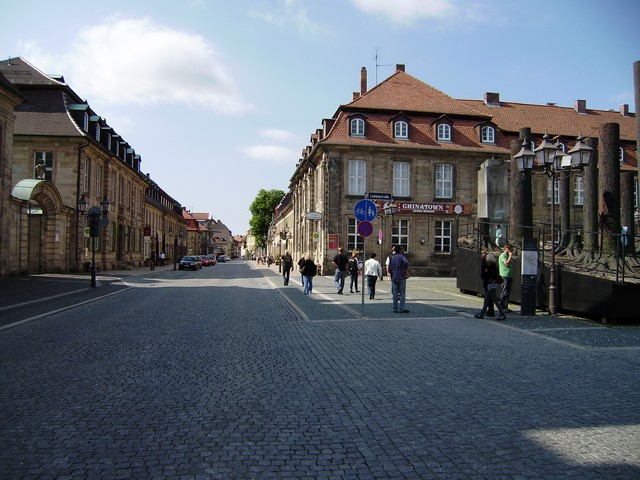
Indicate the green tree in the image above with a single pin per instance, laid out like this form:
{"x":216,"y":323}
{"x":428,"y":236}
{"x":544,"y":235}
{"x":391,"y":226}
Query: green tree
{"x":262,"y":210}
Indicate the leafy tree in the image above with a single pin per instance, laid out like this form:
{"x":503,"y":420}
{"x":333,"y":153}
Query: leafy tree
{"x":262,"y":210}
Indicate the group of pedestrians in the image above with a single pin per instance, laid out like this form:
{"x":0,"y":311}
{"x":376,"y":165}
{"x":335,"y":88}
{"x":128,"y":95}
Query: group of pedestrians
{"x":495,"y":273}
{"x":397,"y":269}
{"x":306,"y":265}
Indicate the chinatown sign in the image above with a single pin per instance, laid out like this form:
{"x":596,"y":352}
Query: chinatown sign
{"x":435,"y":208}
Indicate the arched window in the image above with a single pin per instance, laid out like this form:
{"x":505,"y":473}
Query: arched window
{"x":357,"y":127}
{"x":444,"y":132}
{"x":401,"y":129}
{"x":488,"y":134}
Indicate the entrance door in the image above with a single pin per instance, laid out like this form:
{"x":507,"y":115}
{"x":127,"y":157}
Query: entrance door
{"x":34,"y":250}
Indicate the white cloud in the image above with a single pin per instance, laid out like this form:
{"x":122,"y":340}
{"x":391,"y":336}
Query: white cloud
{"x":290,"y":13}
{"x":272,"y":153}
{"x":138,"y":62}
{"x":276,"y":134}
{"x":407,"y":11}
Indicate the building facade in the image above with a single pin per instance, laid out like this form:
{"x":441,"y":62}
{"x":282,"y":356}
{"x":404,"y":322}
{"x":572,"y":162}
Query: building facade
{"x":63,"y":154}
{"x":435,"y":158}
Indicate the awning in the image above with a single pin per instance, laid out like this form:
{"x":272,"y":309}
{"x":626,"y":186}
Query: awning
{"x":24,"y":188}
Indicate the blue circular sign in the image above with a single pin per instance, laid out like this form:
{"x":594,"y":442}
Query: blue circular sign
{"x":365,"y":211}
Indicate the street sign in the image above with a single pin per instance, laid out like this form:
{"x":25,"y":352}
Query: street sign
{"x":316,"y":237}
{"x":365,"y":228}
{"x":380,"y":196}
{"x":365,"y":211}
{"x":313,"y":215}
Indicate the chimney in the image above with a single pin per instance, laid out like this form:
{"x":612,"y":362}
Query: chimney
{"x":624,"y":110}
{"x":399,"y":67}
{"x":492,"y":99}
{"x":356,"y":95}
{"x":581,"y":106}
{"x":363,"y":81}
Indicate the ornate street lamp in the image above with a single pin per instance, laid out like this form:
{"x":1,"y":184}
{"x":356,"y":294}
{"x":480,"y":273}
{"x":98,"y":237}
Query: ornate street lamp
{"x":550,"y":157}
{"x":97,"y":216}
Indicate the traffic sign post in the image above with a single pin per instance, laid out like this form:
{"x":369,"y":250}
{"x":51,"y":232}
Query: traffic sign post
{"x":365,"y":211}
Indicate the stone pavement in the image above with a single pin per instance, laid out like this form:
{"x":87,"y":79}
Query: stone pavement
{"x":227,"y":374}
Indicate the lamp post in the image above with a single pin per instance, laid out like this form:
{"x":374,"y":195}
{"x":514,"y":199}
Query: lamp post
{"x":389,"y":209}
{"x":97,"y":216}
{"x":553,"y":160}
{"x":284,"y":234}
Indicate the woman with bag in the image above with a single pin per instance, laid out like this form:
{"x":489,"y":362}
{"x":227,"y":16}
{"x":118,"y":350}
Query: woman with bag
{"x":308,"y":269}
{"x":491,"y":277}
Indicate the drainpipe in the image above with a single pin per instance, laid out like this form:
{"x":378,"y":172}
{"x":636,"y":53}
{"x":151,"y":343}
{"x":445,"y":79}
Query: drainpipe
{"x":77,"y":239}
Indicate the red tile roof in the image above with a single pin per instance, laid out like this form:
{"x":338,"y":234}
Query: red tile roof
{"x":403,"y":92}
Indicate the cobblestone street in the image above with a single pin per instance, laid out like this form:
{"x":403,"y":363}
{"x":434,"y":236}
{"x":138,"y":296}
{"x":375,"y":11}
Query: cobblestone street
{"x":225,"y":373}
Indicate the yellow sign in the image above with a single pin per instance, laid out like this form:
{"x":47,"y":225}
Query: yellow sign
{"x":87,"y":232}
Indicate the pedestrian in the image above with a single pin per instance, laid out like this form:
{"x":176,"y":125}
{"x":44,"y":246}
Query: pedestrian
{"x":491,"y":276}
{"x":308,"y":270}
{"x":483,"y":261}
{"x":340,"y":261}
{"x":354,"y":271}
{"x":300,"y":263}
{"x":498,"y":235}
{"x":162,"y":258}
{"x":373,"y":271}
{"x":399,"y":272}
{"x":504,"y":266}
{"x":287,"y":265}
{"x":153,"y":260}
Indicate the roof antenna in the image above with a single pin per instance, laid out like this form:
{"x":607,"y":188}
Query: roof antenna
{"x":379,"y":65}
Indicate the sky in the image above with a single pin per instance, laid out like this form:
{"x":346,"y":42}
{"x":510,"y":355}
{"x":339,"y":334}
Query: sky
{"x":220,"y":97}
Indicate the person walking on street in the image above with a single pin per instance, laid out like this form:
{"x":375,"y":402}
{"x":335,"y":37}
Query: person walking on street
{"x":153,"y":260}
{"x":308,"y":270}
{"x":300,"y":263}
{"x":399,"y":272}
{"x":491,"y":277}
{"x":373,"y":271}
{"x":499,"y":236}
{"x":162,"y":259}
{"x":287,"y":265}
{"x":354,"y":270}
{"x":340,"y":261}
{"x":483,"y":261}
{"x":504,"y":265}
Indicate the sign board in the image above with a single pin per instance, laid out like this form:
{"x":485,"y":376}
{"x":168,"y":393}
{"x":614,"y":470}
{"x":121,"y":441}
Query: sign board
{"x":313,"y":216}
{"x":365,"y":228}
{"x":436,"y":208}
{"x":365,"y":211}
{"x":87,"y":232}
{"x":380,"y":196}
{"x":316,"y":237}
{"x":333,"y":241}
{"x":147,"y":231}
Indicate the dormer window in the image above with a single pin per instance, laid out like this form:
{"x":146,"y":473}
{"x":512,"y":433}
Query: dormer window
{"x":357,"y":127}
{"x":85,"y":122}
{"x":488,"y":134}
{"x":401,"y":130}
{"x":444,"y":132}
{"x":621,"y":154}
{"x":97,"y":132}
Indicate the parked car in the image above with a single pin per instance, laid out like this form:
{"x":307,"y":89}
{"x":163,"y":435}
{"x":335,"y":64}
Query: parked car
{"x":205,"y":260}
{"x":212,"y":258}
{"x":222,"y":258}
{"x":190,"y":262}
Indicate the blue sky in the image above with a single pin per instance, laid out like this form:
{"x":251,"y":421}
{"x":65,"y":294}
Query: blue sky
{"x":220,"y":97}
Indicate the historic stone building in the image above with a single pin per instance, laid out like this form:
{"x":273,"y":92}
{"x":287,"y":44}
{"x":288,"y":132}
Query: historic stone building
{"x":64,"y":153}
{"x":444,"y":162}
